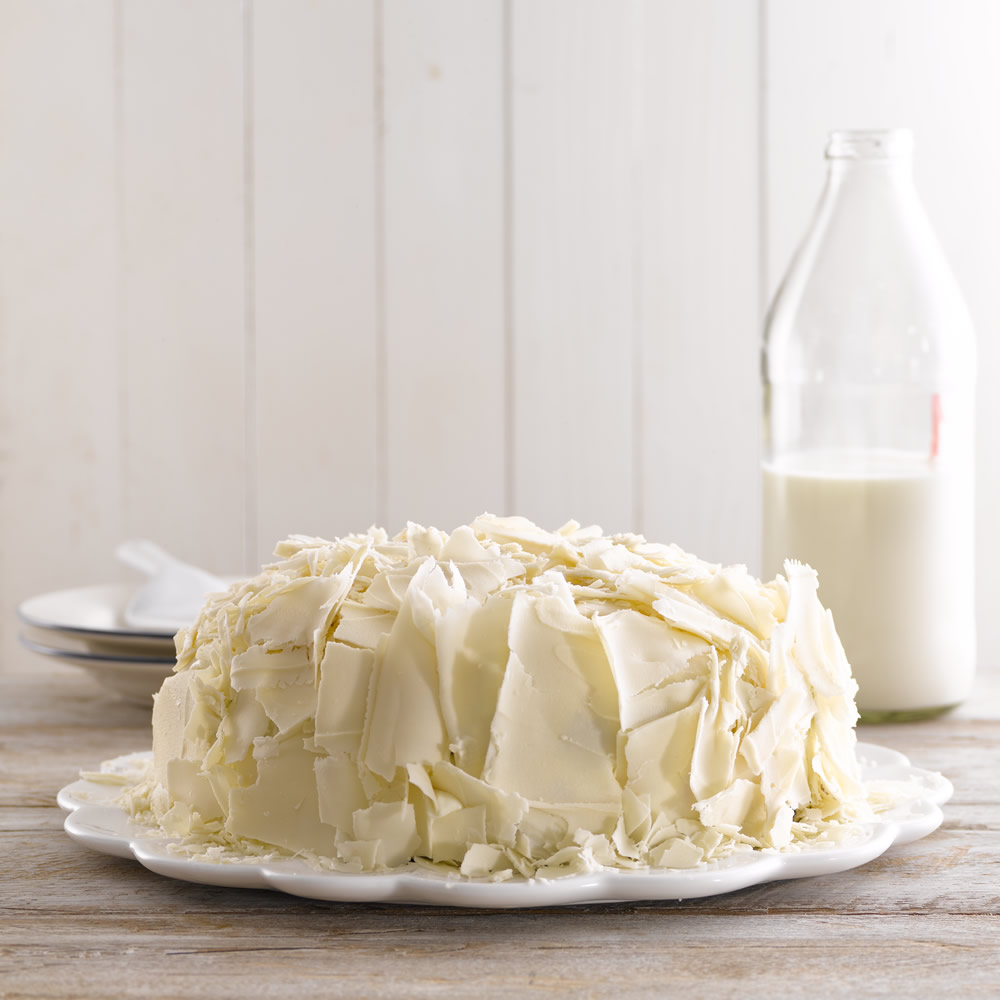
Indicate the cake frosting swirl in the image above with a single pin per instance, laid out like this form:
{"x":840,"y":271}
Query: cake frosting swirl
{"x":504,"y":700}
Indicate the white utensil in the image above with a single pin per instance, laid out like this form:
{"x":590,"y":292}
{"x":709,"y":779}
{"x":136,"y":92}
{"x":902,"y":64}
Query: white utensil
{"x":175,"y":592}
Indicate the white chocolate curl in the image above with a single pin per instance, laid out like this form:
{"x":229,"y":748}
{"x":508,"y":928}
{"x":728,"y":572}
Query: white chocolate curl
{"x":505,"y":700}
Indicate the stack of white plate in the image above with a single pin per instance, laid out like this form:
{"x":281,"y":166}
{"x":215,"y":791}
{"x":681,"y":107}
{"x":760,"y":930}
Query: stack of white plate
{"x":86,"y":628}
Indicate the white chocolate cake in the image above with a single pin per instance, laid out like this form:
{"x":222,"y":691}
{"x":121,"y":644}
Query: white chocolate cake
{"x":505,"y":701}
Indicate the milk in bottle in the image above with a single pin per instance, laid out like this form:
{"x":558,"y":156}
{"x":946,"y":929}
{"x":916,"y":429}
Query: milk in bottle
{"x":869,"y":373}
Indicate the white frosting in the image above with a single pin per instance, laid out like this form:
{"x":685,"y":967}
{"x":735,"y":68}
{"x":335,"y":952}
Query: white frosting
{"x":506,"y":700}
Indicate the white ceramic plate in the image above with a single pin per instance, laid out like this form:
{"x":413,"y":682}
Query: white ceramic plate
{"x":90,"y":611}
{"x":135,"y":680}
{"x":97,"y":644}
{"x":96,"y":822}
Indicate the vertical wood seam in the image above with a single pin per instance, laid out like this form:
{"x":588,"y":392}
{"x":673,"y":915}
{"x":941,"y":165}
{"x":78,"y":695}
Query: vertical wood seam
{"x":762,"y":224}
{"x":762,"y":163}
{"x":381,"y":369}
{"x":636,"y":197}
{"x":120,"y":252}
{"x":509,"y":396}
{"x":250,"y":554}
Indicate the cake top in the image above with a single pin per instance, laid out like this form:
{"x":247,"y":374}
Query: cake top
{"x":507,"y":699}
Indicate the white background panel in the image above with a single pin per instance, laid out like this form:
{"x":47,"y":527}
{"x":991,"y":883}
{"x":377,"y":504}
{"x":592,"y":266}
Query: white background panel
{"x":443,"y":261}
{"x":183,"y":308}
{"x":314,"y":190}
{"x":699,"y":301}
{"x":60,"y":373}
{"x":273,"y":267}
{"x":573,"y":309}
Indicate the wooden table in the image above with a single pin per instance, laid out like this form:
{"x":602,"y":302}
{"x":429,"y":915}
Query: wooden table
{"x":923,"y":920}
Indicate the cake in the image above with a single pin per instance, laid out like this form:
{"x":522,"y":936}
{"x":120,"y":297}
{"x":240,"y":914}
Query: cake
{"x":505,"y":701}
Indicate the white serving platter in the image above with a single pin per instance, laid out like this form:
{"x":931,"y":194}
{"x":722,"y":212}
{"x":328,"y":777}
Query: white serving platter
{"x":97,"y":822}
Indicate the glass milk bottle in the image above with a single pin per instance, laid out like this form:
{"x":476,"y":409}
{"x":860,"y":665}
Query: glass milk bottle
{"x":869,"y":365}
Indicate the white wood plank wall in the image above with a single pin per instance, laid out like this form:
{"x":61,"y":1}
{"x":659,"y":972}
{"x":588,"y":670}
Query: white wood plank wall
{"x":441,"y":176}
{"x":313,"y":416}
{"x":304,"y":265}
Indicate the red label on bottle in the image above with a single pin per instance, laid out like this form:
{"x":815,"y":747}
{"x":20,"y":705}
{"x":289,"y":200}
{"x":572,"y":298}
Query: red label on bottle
{"x":935,"y":424}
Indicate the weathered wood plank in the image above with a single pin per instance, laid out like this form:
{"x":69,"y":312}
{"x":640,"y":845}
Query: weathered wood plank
{"x":30,"y":819}
{"x":950,"y":872}
{"x":589,"y":952}
{"x":57,"y":696}
{"x":36,"y":766}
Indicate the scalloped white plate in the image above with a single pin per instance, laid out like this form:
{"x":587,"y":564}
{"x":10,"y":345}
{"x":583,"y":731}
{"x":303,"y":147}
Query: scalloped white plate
{"x":96,"y":822}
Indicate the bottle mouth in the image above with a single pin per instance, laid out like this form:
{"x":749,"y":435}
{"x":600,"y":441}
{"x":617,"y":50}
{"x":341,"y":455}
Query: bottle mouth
{"x":870,"y":144}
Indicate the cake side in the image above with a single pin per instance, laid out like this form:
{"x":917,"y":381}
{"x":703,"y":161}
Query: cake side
{"x":505,"y":700}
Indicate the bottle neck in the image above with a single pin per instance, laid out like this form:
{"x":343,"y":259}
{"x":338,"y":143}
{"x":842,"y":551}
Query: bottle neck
{"x":870,"y":145}
{"x":869,"y":299}
{"x":871,"y":159}
{"x":888,"y":173}
{"x":865,"y":196}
